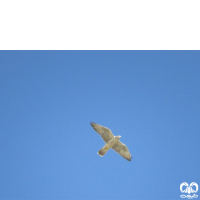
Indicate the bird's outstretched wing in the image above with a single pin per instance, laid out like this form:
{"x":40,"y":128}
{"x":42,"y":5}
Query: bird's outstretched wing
{"x":105,"y":133}
{"x":122,"y":150}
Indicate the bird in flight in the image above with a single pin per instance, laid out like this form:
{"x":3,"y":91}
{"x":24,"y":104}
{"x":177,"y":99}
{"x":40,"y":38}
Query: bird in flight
{"x":112,"y":142}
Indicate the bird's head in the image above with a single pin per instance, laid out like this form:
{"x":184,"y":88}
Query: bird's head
{"x":118,"y":137}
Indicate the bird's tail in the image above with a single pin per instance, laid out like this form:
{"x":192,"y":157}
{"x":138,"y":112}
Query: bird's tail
{"x":103,"y":151}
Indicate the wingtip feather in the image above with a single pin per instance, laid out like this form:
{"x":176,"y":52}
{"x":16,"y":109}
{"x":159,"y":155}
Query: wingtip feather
{"x":130,"y":158}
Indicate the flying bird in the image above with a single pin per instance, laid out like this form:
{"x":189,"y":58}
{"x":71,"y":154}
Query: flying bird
{"x":112,"y":142}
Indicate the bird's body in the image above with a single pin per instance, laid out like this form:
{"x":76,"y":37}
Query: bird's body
{"x":108,"y":145}
{"x":112,"y":142}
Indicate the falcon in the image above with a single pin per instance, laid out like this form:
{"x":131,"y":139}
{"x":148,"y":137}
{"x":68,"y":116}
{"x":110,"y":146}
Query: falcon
{"x":112,"y":142}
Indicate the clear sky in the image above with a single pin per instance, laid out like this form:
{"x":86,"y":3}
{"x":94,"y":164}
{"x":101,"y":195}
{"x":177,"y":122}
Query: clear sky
{"x":48,"y":150}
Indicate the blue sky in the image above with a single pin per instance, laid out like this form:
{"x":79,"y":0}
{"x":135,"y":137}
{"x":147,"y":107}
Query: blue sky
{"x":48,"y":150}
